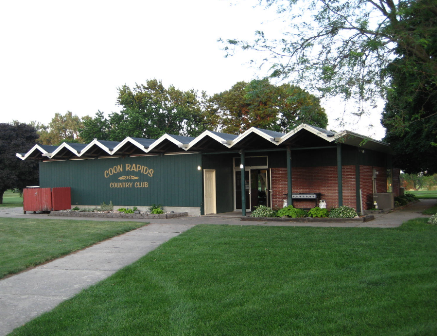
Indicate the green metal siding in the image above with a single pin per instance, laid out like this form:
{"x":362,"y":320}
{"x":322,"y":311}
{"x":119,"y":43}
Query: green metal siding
{"x":175,"y":180}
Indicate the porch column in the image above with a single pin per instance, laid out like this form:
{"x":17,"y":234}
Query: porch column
{"x":243,"y":183}
{"x":289,"y":178}
{"x":339,"y":176}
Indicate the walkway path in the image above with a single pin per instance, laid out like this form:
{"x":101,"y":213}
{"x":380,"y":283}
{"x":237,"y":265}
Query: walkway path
{"x":29,"y":294}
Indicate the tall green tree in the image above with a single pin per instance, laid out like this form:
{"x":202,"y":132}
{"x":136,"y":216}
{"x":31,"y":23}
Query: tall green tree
{"x":62,"y":128}
{"x":343,"y":47}
{"x":262,"y":104}
{"x":15,"y":173}
{"x":149,"y":111}
{"x":410,"y":114}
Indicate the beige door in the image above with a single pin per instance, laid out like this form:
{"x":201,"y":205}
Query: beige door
{"x":209,"y":192}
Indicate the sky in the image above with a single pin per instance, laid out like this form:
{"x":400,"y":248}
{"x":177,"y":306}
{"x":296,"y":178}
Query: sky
{"x":59,"y":56}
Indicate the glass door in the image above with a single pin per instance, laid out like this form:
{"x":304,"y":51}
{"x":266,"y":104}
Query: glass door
{"x":256,"y":186}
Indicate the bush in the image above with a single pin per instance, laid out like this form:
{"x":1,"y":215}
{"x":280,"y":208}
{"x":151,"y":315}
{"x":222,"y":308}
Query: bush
{"x":292,"y":212}
{"x":156,"y":209}
{"x":263,"y":211}
{"x":433,"y":219}
{"x":127,"y":211}
{"x":405,"y":199}
{"x":318,"y":212}
{"x":343,"y":212}
{"x":107,"y":207}
{"x":410,"y":197}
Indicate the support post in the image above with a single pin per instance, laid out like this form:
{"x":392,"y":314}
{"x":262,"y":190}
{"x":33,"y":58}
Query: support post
{"x":243,"y":183}
{"x":339,"y":176}
{"x":289,"y":178}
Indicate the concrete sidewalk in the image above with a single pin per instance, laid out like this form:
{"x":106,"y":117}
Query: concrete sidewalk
{"x":29,"y":294}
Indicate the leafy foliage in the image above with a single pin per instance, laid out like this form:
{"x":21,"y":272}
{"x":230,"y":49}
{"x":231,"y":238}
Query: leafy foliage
{"x":263,"y":105}
{"x":410,"y":114}
{"x":15,"y":173}
{"x":62,"y":128}
{"x":433,"y":219}
{"x":263,"y":211}
{"x":318,"y":212}
{"x":156,"y":209}
{"x":126,"y":211}
{"x":405,"y":199}
{"x":343,"y":47}
{"x":292,"y":212}
{"x":149,"y":111}
{"x":343,"y":212}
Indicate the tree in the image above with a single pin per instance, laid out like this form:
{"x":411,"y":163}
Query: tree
{"x":410,"y":114}
{"x":343,"y":47}
{"x":15,"y":173}
{"x":149,"y":111}
{"x":261,"y":104}
{"x":62,"y":128}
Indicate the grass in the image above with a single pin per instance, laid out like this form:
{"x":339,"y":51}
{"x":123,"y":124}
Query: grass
{"x":29,"y":242}
{"x":424,"y":194}
{"x":11,"y":200}
{"x":251,"y":280}
{"x":430,"y":211}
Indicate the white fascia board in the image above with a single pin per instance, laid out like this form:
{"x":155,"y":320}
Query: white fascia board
{"x":347,"y":135}
{"x":64,"y":145}
{"x":256,"y":131}
{"x":166,"y":137}
{"x":97,"y":143}
{"x":132,"y":141}
{"x":31,"y":151}
{"x":211,"y":135}
{"x":309,"y":129}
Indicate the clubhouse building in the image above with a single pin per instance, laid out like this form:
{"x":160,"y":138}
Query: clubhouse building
{"x":217,"y":173}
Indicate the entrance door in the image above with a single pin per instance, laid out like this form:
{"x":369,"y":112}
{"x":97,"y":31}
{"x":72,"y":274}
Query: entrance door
{"x":209,"y":191}
{"x":259,"y":188}
{"x":256,"y":186}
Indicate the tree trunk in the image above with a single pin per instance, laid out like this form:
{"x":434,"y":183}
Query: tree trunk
{"x":1,"y":196}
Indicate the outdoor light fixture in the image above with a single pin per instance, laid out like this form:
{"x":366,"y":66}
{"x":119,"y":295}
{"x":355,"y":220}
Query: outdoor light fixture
{"x":241,"y":166}
{"x":199,"y":168}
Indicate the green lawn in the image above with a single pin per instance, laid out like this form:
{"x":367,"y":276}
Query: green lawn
{"x":29,"y":242}
{"x":11,"y":200}
{"x":251,"y":280}
{"x":424,"y":194}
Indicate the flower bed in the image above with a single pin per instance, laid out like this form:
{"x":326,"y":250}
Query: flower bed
{"x":116,"y":214}
{"x":367,"y":218}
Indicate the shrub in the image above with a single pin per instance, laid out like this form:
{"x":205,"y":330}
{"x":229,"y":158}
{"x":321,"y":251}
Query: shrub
{"x":433,"y":219}
{"x":343,"y":212}
{"x":410,"y":197}
{"x":263,"y":211}
{"x":156,"y":209}
{"x":405,"y":199}
{"x":107,"y":207}
{"x":400,"y":201}
{"x":318,"y":212}
{"x":292,"y":212}
{"x":127,"y":211}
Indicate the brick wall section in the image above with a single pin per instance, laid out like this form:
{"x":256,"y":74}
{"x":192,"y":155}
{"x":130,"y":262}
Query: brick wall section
{"x":366,"y":185}
{"x":324,"y":180}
